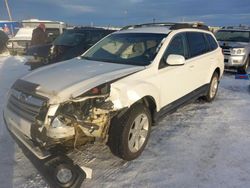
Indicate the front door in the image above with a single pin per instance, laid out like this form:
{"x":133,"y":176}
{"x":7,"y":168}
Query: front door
{"x":175,"y":81}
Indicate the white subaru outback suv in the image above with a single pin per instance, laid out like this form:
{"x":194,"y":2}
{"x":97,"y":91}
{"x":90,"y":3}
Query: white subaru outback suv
{"x":116,"y":90}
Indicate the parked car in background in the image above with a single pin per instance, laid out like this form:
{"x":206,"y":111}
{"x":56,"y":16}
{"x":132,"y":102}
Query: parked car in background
{"x":72,"y":43}
{"x":118,"y":88}
{"x":235,"y":43}
{"x":21,"y":41}
{"x":53,"y":28}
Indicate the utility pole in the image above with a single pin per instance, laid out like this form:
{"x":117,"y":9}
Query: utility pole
{"x":125,"y":17}
{"x":8,"y":9}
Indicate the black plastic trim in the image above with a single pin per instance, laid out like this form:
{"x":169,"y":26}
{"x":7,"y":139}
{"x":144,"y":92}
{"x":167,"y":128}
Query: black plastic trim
{"x":172,"y":107}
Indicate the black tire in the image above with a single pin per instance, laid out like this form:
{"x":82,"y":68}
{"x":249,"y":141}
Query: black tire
{"x":119,"y":132}
{"x":243,"y":69}
{"x":211,"y":92}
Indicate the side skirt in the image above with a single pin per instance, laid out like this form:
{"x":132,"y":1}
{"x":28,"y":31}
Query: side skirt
{"x":172,"y":107}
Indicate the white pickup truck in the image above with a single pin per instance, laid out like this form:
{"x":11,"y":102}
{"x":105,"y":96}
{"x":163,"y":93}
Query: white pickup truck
{"x":21,"y":41}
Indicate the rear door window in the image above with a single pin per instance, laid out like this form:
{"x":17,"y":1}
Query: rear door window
{"x":197,"y":44}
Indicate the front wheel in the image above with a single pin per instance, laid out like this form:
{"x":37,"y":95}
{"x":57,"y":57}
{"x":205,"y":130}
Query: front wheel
{"x":213,"y":88}
{"x":128,"y":134}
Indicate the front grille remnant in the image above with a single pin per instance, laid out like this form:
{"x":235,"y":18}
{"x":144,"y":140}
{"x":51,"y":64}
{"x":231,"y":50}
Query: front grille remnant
{"x":25,"y":105}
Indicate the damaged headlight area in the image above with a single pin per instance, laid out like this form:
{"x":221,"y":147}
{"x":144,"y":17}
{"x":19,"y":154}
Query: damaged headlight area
{"x":87,"y":116}
{"x":103,"y":89}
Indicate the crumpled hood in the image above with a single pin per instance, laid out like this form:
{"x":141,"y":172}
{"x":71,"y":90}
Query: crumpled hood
{"x":69,"y":79}
{"x":233,"y":44}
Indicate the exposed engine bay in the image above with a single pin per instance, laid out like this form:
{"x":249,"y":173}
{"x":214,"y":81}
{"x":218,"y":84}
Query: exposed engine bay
{"x":86,"y":118}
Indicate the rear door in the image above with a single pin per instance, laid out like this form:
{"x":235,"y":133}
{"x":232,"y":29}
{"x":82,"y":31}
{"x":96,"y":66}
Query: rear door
{"x":199,"y":58}
{"x":215,"y":56}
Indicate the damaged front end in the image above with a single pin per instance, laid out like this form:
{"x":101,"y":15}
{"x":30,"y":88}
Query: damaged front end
{"x":48,"y":131}
{"x":43,"y":126}
{"x":80,"y":120}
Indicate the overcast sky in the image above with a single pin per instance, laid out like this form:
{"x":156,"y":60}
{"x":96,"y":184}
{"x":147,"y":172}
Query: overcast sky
{"x":124,"y":12}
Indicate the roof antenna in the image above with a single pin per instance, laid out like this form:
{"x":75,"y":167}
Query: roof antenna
{"x":8,"y":9}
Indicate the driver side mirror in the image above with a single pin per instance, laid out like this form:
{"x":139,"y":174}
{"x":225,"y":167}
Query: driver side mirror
{"x":175,"y":60}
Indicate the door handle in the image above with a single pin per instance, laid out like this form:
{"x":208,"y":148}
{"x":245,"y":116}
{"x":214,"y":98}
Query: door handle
{"x":191,"y":66}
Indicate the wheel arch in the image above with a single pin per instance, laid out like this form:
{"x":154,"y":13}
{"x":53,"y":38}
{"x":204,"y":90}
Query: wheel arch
{"x":130,"y":94}
{"x":218,"y":71}
{"x":150,"y":103}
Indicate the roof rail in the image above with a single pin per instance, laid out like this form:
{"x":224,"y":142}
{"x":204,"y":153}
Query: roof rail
{"x":162,"y":24}
{"x":171,"y":25}
{"x":190,"y":25}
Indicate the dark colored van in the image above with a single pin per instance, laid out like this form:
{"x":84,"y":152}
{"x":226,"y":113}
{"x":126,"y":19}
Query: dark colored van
{"x":72,"y":43}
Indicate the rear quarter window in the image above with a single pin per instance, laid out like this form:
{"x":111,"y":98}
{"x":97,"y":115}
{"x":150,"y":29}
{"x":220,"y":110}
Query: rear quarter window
{"x":211,"y":41}
{"x":197,"y":44}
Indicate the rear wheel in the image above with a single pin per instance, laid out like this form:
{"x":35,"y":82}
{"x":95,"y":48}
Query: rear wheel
{"x":213,"y":88}
{"x":128,"y":134}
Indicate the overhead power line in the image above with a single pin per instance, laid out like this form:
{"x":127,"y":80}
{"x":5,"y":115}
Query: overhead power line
{"x":8,"y":9}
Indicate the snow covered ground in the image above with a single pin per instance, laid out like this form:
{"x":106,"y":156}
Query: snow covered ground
{"x":201,"y":145}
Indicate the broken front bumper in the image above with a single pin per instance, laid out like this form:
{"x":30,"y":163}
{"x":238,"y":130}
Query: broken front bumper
{"x":47,"y":163}
{"x":19,"y":132}
{"x":34,"y":137}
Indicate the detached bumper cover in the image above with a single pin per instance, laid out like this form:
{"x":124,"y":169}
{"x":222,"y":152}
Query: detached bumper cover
{"x":21,"y":134}
{"x":47,"y":163}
